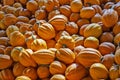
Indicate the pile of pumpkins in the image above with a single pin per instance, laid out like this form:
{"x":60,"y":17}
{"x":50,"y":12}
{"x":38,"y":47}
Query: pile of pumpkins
{"x":59,"y":39}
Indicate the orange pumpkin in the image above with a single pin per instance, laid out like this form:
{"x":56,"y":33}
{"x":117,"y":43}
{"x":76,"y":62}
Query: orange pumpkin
{"x":2,"y":48}
{"x":97,"y":8}
{"x":62,"y":2}
{"x":117,"y":39}
{"x":2,"y":14}
{"x":24,"y":12}
{"x":23,"y":19}
{"x":51,"y":43}
{"x":7,"y":2}
{"x":17,"y":5}
{"x":76,"y":5}
{"x":109,"y":17}
{"x":6,"y":74}
{"x":53,"y":13}
{"x":98,"y":71}
{"x":91,"y":2}
{"x":106,"y":48}
{"x":2,"y":33}
{"x":71,"y":28}
{"x":74,"y":17}
{"x":5,"y":61}
{"x":58,"y":22}
{"x":17,"y":39}
{"x":49,"y":5}
{"x":46,"y":31}
{"x":22,"y":78}
{"x":81,"y":22}
{"x":65,"y":55}
{"x":4,"y":41}
{"x":96,"y":18}
{"x":57,"y":67}
{"x":8,"y":50}
{"x":117,"y":54}
{"x":25,"y":58}
{"x":75,"y":72}
{"x":82,"y":28}
{"x":43,"y":71}
{"x":88,"y":56}
{"x":65,"y":42}
{"x":43,"y":56}
{"x":18,"y":69}
{"x":30,"y":72}
{"x":58,"y":77}
{"x":116,"y":29}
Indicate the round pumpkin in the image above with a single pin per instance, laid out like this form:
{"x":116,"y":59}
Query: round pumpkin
{"x":109,"y":18}
{"x":46,"y":31}
{"x":22,"y":78}
{"x":117,"y":39}
{"x":96,"y":18}
{"x":81,"y":22}
{"x":74,"y":17}
{"x":93,"y":29}
{"x":43,"y":56}
{"x":75,"y":72}
{"x":23,"y":19}
{"x":51,"y":43}
{"x":43,"y":71}
{"x":49,"y":5}
{"x":91,"y":2}
{"x":58,"y":77}
{"x":5,"y":61}
{"x":25,"y":58}
{"x":53,"y":13}
{"x":88,"y":56}
{"x":91,"y":42}
{"x":98,"y":71}
{"x":7,"y":2}
{"x":57,"y":67}
{"x":6,"y":74}
{"x":18,"y":69}
{"x":17,"y":39}
{"x":117,"y":55}
{"x":65,"y":55}
{"x":116,"y":29}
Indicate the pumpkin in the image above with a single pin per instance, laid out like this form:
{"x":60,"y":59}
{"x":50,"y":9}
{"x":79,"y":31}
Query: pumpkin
{"x":24,"y":12}
{"x":46,"y":31}
{"x":108,"y":60}
{"x":22,"y":78}
{"x":38,"y":44}
{"x":2,"y":33}
{"x":91,"y":2}
{"x":5,"y":61}
{"x":114,"y":72}
{"x":32,"y":21}
{"x":91,"y":42}
{"x":65,"y":10}
{"x":51,"y":43}
{"x":79,"y":40}
{"x":57,"y":67}
{"x":96,"y":18}
{"x":2,"y":48}
{"x":17,"y":5}
{"x":109,"y":18}
{"x":106,"y":37}
{"x":4,"y":41}
{"x":11,"y":29}
{"x":9,"y":19}
{"x":29,"y":33}
{"x":10,"y":10}
{"x":23,"y":19}
{"x":65,"y":55}
{"x":77,"y":49}
{"x":117,"y":39}
{"x":93,"y":29}
{"x":40,"y":14}
{"x":81,"y":22}
{"x":87,"y":12}
{"x":117,"y":5}
{"x":2,"y":14}
{"x":43,"y":56}
{"x":98,"y":71}
{"x":97,"y":8}
{"x":8,"y":50}
{"x":106,"y":48}
{"x":25,"y":58}
{"x":17,"y":39}
{"x":75,"y":72}
{"x":82,"y":28}
{"x":58,"y":77}
{"x":63,"y":2}
{"x":23,"y":2}
{"x":65,"y":42}
{"x":30,"y":4}
{"x":71,"y":28}
{"x":2,"y":25}
{"x":88,"y":56}
{"x":15,"y":53}
{"x":49,"y":5}
{"x":104,"y":28}
{"x":30,"y":72}
{"x":74,"y":17}
{"x":43,"y":71}
{"x":6,"y":74}
{"x":18,"y":69}
{"x":116,"y":29}
{"x":76,"y":5}
{"x":117,"y":54}
{"x":53,"y":13}
{"x":61,"y":33}
{"x":7,"y":2}
{"x":58,"y":22}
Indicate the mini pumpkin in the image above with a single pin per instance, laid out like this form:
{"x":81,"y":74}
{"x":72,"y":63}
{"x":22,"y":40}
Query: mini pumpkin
{"x":81,"y":22}
{"x":7,"y":2}
{"x":74,"y":17}
{"x":22,"y":77}
{"x":49,"y":5}
{"x":58,"y":77}
{"x":91,"y":2}
{"x":116,"y":29}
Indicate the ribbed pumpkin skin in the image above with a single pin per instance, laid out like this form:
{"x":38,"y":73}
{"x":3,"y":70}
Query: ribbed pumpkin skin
{"x":22,"y":78}
{"x":43,"y":56}
{"x":5,"y":61}
{"x":65,"y":55}
{"x":117,"y":55}
{"x":88,"y":56}
{"x":75,"y":72}
{"x":98,"y":71}
{"x":46,"y":31}
{"x":109,"y":17}
{"x":58,"y":77}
